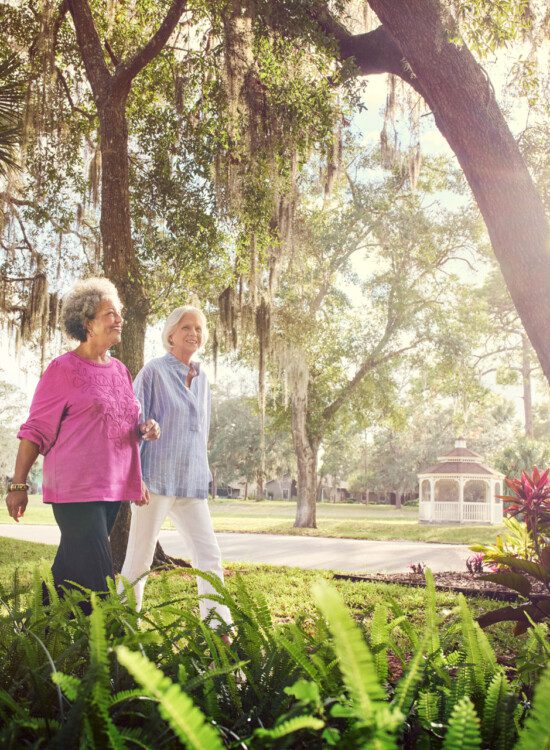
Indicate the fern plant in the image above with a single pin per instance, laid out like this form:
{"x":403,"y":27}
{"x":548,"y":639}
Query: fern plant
{"x":167,"y":680}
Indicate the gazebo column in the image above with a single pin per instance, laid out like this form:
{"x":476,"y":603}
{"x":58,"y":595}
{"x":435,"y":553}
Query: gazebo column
{"x":496,"y":508}
{"x":461,"y":483}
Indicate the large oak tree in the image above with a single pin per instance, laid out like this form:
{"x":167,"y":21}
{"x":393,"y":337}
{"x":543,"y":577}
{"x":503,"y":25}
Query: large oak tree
{"x":414,"y":43}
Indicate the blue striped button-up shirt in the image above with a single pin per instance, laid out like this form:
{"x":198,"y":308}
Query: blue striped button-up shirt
{"x":177,"y":463}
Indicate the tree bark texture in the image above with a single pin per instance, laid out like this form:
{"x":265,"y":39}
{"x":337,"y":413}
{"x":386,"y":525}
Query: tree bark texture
{"x":527,"y":388}
{"x":466,"y":112}
{"x":214,"y":483}
{"x":119,"y":258}
{"x":306,"y":451}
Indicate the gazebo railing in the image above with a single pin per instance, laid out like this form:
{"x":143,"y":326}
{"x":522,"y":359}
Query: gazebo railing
{"x":450,"y":511}
{"x":446,"y":511}
{"x":476,"y":512}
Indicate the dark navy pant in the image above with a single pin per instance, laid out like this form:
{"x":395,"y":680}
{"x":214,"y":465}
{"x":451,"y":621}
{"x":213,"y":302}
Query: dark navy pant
{"x":84,"y":554}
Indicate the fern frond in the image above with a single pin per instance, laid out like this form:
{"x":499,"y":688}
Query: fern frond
{"x":463,"y":732}
{"x":495,"y":709}
{"x":185,"y":719}
{"x":68,"y":684}
{"x":125,"y":695}
{"x":290,"y":726}
{"x":354,"y":658}
{"x":428,"y":706}
{"x":97,"y":683}
{"x":136,"y":738}
{"x":404,"y":623}
{"x":379,"y":641}
{"x":300,"y":657}
{"x":478,"y":651}
{"x":432,"y":619}
{"x":405,"y":691}
{"x":47,"y":576}
{"x":536,"y":730}
{"x":226,"y":664}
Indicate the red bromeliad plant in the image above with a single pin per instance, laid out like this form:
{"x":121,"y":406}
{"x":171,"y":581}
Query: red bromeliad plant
{"x":530,"y":503}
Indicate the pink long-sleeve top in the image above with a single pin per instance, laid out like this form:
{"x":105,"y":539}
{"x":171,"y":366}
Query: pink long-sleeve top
{"x":84,"y":418}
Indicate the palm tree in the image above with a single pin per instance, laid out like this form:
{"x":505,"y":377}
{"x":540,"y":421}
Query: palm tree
{"x":11,"y":99}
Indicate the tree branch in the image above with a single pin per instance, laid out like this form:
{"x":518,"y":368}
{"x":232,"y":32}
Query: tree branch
{"x":66,"y":89}
{"x":90,"y":48}
{"x":128,"y":71}
{"x":369,"y":364}
{"x":374,"y":52}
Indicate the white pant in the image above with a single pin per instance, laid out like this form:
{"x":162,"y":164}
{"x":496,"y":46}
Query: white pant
{"x":192,"y":519}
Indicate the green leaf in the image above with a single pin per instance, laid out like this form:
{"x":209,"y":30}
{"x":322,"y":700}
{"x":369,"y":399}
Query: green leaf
{"x":405,"y":691}
{"x":535,"y":734}
{"x":68,"y":684}
{"x":463,"y":732}
{"x":495,"y":709}
{"x":514,"y":581}
{"x":428,"y":705}
{"x":354,"y":658}
{"x":305,"y":691}
{"x":478,"y":651}
{"x":290,"y":726}
{"x":526,"y":566}
{"x":186,"y":720}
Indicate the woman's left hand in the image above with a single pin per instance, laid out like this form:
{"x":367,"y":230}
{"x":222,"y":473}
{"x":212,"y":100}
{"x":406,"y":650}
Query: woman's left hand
{"x":149,"y":430}
{"x":144,"y":500}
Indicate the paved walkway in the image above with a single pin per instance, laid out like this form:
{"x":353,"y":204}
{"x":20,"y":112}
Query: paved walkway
{"x":347,"y":555}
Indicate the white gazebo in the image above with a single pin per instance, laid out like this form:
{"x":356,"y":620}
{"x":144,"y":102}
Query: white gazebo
{"x":460,"y":488}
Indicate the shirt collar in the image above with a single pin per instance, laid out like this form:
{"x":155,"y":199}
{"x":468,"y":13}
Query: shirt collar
{"x":176,"y":364}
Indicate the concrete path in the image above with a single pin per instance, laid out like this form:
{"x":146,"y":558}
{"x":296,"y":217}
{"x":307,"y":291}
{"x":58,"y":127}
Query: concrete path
{"x":346,"y":555}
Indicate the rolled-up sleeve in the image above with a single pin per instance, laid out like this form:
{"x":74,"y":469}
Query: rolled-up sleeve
{"x":143,"y":387}
{"x":47,"y":408}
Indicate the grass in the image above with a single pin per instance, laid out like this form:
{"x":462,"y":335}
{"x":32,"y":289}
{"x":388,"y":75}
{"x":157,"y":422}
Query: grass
{"x":286,"y":590}
{"x":341,"y":520}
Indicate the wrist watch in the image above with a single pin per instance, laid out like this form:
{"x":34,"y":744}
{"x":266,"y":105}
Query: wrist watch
{"x":17,"y":486}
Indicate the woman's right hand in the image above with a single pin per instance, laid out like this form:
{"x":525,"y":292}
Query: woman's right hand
{"x":17,"y":503}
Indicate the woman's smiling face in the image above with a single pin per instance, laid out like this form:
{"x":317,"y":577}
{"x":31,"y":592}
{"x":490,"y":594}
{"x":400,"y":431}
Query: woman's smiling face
{"x":106,"y":326}
{"x":186,"y":337}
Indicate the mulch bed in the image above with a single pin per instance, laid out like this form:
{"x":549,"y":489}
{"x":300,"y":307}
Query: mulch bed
{"x":463,"y":583}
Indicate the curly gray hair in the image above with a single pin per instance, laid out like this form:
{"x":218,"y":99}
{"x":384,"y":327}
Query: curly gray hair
{"x":81,"y":302}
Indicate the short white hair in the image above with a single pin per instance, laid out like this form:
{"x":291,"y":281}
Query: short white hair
{"x":174,"y":318}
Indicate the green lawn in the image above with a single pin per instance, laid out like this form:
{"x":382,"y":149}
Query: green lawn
{"x":341,"y":520}
{"x":287,"y":590}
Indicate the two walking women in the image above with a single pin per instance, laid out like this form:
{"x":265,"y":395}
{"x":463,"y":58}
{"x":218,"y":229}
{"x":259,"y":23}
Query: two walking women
{"x":99,"y":436}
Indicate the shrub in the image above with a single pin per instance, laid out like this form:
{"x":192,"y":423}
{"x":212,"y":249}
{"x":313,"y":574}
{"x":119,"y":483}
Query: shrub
{"x":168,"y":680}
{"x":523,"y":555}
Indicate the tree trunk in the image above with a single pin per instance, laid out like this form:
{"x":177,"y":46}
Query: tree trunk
{"x":466,"y":112}
{"x":214,"y":484}
{"x":121,"y":266}
{"x":260,"y":474}
{"x":119,"y":259}
{"x":306,"y":458}
{"x":119,"y":536}
{"x":119,"y":263}
{"x":398,"y":496}
{"x":526,"y":381}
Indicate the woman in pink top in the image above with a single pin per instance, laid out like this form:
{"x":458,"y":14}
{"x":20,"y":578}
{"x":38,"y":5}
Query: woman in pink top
{"x":84,"y":420}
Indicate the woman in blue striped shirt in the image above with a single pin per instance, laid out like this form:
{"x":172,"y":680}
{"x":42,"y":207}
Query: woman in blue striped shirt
{"x":174,"y":391}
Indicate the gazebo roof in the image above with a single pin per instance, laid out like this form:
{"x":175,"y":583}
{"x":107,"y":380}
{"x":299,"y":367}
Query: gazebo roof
{"x":459,"y":461}
{"x":463,"y":467}
{"x":462,"y":453}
